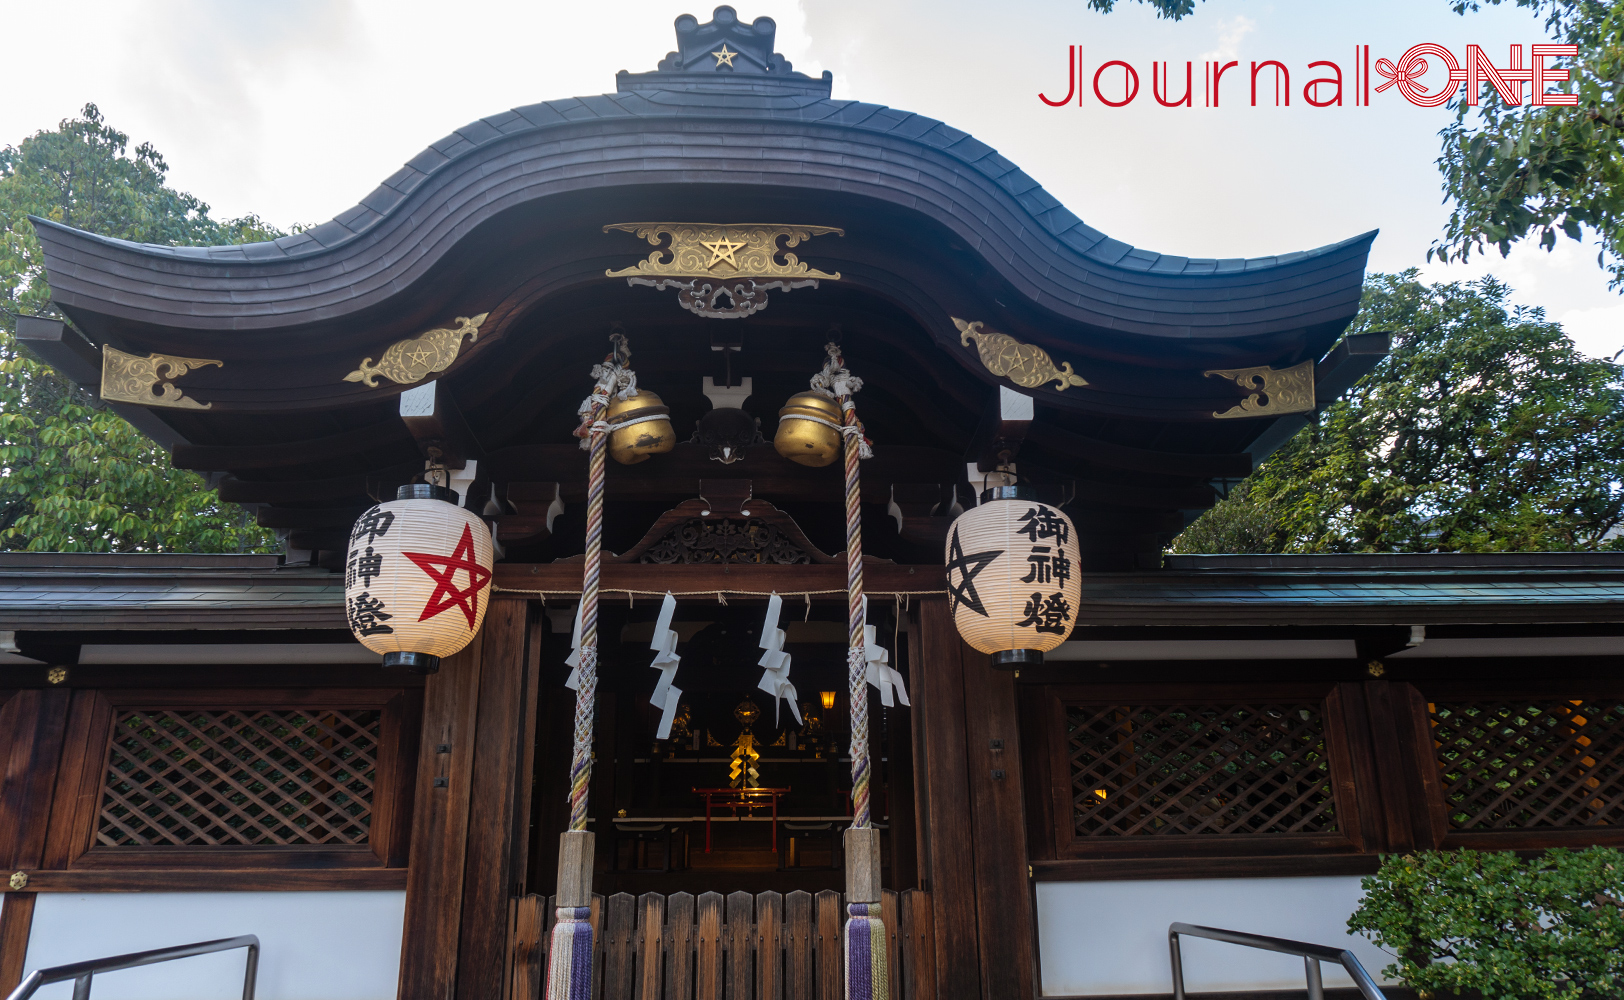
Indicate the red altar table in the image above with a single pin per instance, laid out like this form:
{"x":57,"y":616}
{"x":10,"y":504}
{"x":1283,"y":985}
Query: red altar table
{"x":740,"y":798}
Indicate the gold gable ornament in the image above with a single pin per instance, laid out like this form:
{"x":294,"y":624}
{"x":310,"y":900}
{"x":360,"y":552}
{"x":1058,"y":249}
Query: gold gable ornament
{"x":129,"y":378}
{"x":1270,"y":391}
{"x":1026,"y":365}
{"x":408,"y":361}
{"x":710,"y":262}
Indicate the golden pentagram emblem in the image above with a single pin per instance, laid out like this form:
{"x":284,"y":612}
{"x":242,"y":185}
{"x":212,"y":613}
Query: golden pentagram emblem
{"x":722,"y":249}
{"x":1027,"y":365}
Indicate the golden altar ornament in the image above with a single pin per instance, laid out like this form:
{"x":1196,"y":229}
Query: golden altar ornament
{"x":809,"y":430}
{"x":639,"y":427}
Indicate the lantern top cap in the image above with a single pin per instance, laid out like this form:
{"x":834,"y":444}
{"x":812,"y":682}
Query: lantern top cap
{"x":426,"y":491}
{"x":1010,"y":493}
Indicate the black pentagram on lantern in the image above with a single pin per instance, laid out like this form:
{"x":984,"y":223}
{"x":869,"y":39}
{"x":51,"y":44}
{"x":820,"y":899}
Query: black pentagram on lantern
{"x":964,"y":591}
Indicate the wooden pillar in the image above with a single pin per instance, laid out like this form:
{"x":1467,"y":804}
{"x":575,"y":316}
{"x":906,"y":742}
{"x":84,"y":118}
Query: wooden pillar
{"x":973,"y":829}
{"x":499,"y":814}
{"x":941,"y":783}
{"x":32,"y":724}
{"x":1004,"y":898}
{"x":471,"y":814}
{"x":445,"y":765}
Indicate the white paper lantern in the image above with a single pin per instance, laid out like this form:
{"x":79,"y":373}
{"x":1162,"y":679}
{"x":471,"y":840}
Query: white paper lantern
{"x":1012,"y":582}
{"x":417,"y":578}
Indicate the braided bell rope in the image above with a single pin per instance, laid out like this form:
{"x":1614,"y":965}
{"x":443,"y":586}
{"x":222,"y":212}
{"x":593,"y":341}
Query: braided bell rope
{"x":836,"y":379}
{"x":615,"y":378}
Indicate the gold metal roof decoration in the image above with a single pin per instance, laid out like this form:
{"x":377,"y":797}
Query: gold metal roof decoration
{"x":1026,"y":365}
{"x":1271,"y":391}
{"x":411,"y":360}
{"x":709,"y":263}
{"x":129,"y":378}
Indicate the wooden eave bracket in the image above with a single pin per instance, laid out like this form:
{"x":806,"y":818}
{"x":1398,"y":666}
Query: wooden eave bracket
{"x":1350,"y":360}
{"x":437,"y":424}
{"x":62,"y":347}
{"x":1001,"y":431}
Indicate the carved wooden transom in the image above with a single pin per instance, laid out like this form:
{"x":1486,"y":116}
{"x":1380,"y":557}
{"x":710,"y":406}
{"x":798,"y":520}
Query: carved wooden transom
{"x":698,"y":541}
{"x":725,"y":525}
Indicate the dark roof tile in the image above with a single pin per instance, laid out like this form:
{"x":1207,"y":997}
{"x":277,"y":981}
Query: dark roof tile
{"x":477,"y":133}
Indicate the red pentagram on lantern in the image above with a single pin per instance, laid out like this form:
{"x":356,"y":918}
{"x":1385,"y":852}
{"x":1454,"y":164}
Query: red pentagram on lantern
{"x":442,"y":570}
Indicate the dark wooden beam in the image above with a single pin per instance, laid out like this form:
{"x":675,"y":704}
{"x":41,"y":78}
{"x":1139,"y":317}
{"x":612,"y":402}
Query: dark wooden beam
{"x":63,"y":348}
{"x":1058,"y":440}
{"x":308,"y":518}
{"x":177,"y":879}
{"x":316,"y":490}
{"x":232,"y":457}
{"x":617,"y":579}
{"x":1004,"y":423}
{"x":1350,"y":360}
{"x":435,"y":421}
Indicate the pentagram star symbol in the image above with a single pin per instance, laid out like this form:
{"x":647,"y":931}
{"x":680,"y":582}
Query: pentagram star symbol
{"x":420,"y":354}
{"x":964,"y":592}
{"x":443,"y":571}
{"x":721,"y":250}
{"x":724,"y":56}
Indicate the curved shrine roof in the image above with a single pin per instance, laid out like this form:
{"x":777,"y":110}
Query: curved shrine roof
{"x":756,"y":123}
{"x":506,"y":217}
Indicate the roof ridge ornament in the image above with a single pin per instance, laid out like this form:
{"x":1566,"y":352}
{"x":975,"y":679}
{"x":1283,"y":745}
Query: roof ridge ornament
{"x":1027,"y":365}
{"x":413,"y":359}
{"x":709,"y":262}
{"x":705,"y":46}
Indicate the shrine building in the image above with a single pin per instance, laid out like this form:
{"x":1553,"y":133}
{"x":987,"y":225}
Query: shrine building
{"x":197,"y":746}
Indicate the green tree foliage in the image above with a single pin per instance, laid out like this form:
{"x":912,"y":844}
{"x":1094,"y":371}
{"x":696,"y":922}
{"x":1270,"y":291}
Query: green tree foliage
{"x":74,"y":476}
{"x":1485,"y":430}
{"x":1494,"y":925}
{"x":1526,"y":172}
{"x":1171,"y":9}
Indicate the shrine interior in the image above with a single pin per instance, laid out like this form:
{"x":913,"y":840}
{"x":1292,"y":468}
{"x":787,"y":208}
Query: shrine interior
{"x":646,"y":810}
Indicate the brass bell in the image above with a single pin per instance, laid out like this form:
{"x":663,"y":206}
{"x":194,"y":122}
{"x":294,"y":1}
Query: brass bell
{"x":639,"y":427}
{"x":808,"y":429}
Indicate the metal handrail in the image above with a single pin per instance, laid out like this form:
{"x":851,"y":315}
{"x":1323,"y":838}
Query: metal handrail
{"x":1311,"y":954}
{"x":81,"y":972}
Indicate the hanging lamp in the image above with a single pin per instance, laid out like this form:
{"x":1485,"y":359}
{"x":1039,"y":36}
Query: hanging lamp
{"x":1012,"y":581}
{"x":417,"y":577}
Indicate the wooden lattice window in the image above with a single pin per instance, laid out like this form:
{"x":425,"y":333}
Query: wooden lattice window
{"x":209,"y":777}
{"x":1256,"y":768}
{"x":1524,"y":764}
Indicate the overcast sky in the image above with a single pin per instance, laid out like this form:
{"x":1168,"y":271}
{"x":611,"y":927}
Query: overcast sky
{"x":295,"y":109}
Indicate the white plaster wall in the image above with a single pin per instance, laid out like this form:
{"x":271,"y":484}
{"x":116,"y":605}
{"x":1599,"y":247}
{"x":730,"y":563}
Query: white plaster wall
{"x":1111,"y":937}
{"x":313,"y":945}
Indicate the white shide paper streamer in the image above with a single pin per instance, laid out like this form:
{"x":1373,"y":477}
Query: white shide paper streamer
{"x":664,"y":644}
{"x":775,"y":680}
{"x":880,"y":673}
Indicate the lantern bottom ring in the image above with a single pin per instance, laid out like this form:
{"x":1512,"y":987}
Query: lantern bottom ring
{"x":1008,"y":659}
{"x":421,"y":663}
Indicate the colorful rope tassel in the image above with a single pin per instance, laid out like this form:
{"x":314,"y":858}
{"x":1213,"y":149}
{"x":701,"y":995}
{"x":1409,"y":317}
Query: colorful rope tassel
{"x":866,"y":974}
{"x":569,"y":962}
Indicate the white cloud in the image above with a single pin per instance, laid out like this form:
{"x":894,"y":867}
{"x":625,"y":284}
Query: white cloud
{"x":1231,"y":32}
